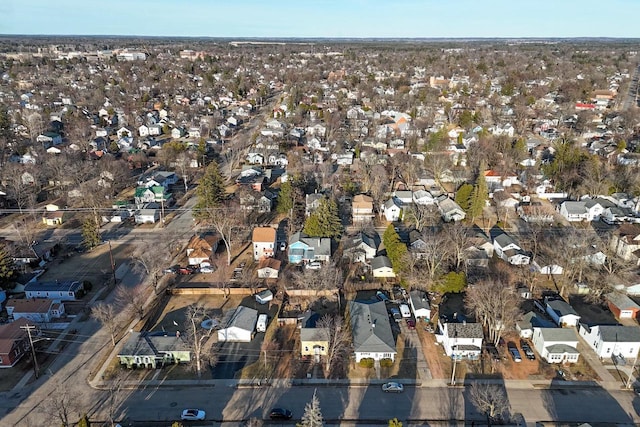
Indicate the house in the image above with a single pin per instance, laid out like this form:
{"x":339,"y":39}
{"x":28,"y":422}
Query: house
{"x":420,"y":305}
{"x":148,"y":350}
{"x":424,"y":198}
{"x":239,"y":325}
{"x":535,"y":213}
{"x":450,"y":210}
{"x":362,"y":208}
{"x":303,"y":248}
{"x":314,"y":342}
{"x":461,"y":340}
{"x":361,"y":247}
{"x":202,"y":247}
{"x":529,"y":321}
{"x":264,"y":242}
{"x":574,"y":211}
{"x":268,"y":268}
{"x":14,"y":342}
{"x":312,"y":202}
{"x":622,"y":306}
{"x":625,"y":242}
{"x":255,"y":201}
{"x":52,"y":218}
{"x":153,"y":194}
{"x":556,"y":345}
{"x":147,"y":215}
{"x":381,"y":267}
{"x":392,"y":209}
{"x":63,"y":290}
{"x":561,"y":312}
{"x":595,"y":207}
{"x":162,"y":178}
{"x":506,"y":248}
{"x":612,"y":340}
{"x":36,"y":310}
{"x":372,"y":336}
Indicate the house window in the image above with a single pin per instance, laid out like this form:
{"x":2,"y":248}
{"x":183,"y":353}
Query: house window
{"x":306,"y":348}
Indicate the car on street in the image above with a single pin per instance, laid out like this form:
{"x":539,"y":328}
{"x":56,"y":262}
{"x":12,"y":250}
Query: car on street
{"x":392,"y":387}
{"x":280,"y":414}
{"x":192,"y":415}
{"x":527,"y":350}
{"x":513,"y":351}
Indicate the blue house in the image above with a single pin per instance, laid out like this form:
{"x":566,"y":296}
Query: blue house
{"x":303,"y":248}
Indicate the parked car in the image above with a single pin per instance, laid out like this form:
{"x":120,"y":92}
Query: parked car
{"x":392,"y":387}
{"x":206,"y":270}
{"x":315,"y":265}
{"x":513,"y":351}
{"x":396,"y":314}
{"x":192,"y":415}
{"x":171,"y":270}
{"x":280,"y":414}
{"x":261,"y":324}
{"x":185,"y":270}
{"x":405,"y":310}
{"x":493,"y":352}
{"x":528,"y":351}
{"x":381,"y":296}
{"x":411,"y":324}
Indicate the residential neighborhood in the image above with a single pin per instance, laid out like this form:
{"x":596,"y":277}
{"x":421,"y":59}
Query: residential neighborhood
{"x":431,"y":216}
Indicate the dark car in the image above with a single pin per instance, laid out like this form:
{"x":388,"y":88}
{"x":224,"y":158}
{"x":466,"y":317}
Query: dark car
{"x":411,"y":324}
{"x":513,"y":351}
{"x":396,"y":314}
{"x":492,"y":351}
{"x":528,"y":351}
{"x":280,"y":414}
{"x":173,"y":269}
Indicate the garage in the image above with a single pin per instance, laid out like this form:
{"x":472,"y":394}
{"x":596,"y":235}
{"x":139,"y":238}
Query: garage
{"x":239,"y":325}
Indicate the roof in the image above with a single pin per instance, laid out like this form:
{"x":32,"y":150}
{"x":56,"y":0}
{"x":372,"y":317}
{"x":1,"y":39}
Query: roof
{"x":321,"y":245}
{"x":243,"y":318}
{"x":464,"y":330}
{"x":622,"y":301}
{"x":611,"y":333}
{"x":362,"y":201}
{"x":558,"y":334}
{"x":561,"y":348}
{"x":361,"y":238}
{"x":534,"y":320}
{"x":505,"y":240}
{"x":54,"y":286}
{"x":370,"y":327}
{"x":575,"y":208}
{"x":30,"y":305}
{"x":419,"y":299}
{"x":380,"y":262}
{"x":263,"y":234}
{"x":314,"y":334}
{"x":561,"y":308}
{"x":10,"y":332}
{"x":269,"y":263}
{"x":143,"y":343}
{"x":589,"y":203}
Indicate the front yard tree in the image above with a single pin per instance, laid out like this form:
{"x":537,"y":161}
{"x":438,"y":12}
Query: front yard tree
{"x":150,"y":259}
{"x":7,"y":268}
{"x":312,"y":417}
{"x":489,"y":399}
{"x":90,"y":233}
{"x":210,"y":191}
{"x":131,"y":299}
{"x":495,"y":305}
{"x":196,"y":336}
{"x":106,"y":315}
{"x":396,"y":250}
{"x":325,"y":221}
{"x":338,"y":337}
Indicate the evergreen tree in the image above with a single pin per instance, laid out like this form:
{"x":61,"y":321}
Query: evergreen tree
{"x":478,"y":196}
{"x":395,"y":423}
{"x":285,"y":198}
{"x":325,"y":221}
{"x":211,"y":191}
{"x":463,"y":197}
{"x":84,"y":421}
{"x":396,"y":250}
{"x":312,"y":416}
{"x":7,"y":268}
{"x":90,"y":233}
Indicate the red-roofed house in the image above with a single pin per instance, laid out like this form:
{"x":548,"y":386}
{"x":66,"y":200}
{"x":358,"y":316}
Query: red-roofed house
{"x":14,"y":342}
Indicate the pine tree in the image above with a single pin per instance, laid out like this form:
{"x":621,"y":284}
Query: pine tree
{"x":312,"y":416}
{"x":395,"y":423}
{"x":84,"y":421}
{"x":211,"y":191}
{"x":463,"y":197}
{"x":396,"y":250}
{"x":90,"y":233}
{"x":7,"y":268}
{"x":285,"y":198}
{"x":325,"y":221}
{"x":478,"y":196}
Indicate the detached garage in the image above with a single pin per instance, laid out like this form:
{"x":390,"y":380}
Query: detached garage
{"x":622,"y":306}
{"x":240,"y":324}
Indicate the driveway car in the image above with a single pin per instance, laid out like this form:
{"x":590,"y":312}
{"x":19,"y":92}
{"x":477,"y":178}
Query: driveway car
{"x":528,"y":351}
{"x":192,"y":415}
{"x":493,"y":352}
{"x":392,"y":387}
{"x":396,"y":314}
{"x":171,"y":270}
{"x":513,"y":351}
{"x":411,"y":324}
{"x":206,"y":270}
{"x":315,"y":265}
{"x":184,"y":270}
{"x":280,"y":414}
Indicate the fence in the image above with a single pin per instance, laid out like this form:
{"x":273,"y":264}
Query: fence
{"x":215,"y":291}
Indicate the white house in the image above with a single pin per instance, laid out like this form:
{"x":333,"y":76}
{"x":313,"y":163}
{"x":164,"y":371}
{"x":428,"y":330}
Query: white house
{"x":461,"y":340}
{"x":147,"y":215}
{"x":419,"y":301}
{"x":507,"y":249}
{"x":372,"y":336}
{"x":574,"y":211}
{"x":63,"y":290}
{"x":239,"y":325}
{"x":450,"y":210}
{"x":612,"y":340}
{"x":556,"y":345}
{"x":268,"y":268}
{"x":529,"y":321}
{"x":264,"y":242}
{"x":561,"y":312}
{"x":392,"y":209}
{"x":38,"y":310}
{"x":381,"y":267}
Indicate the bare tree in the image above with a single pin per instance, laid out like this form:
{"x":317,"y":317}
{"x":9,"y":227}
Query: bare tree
{"x":227,"y":222}
{"x":183,"y":166}
{"x":489,"y":399}
{"x":106,"y":314}
{"x":61,"y":404}
{"x":432,"y":254}
{"x":421,"y":216}
{"x":330,"y":277}
{"x":458,"y":238}
{"x":338,"y":337}
{"x":150,"y":259}
{"x":572,"y":251}
{"x":495,"y":305}
{"x":196,"y":336}
{"x":131,"y":299}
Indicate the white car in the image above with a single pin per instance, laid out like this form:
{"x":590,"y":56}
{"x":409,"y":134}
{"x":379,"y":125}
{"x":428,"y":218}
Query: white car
{"x":392,"y":387}
{"x":192,"y":415}
{"x":206,"y":270}
{"x":315,"y":265}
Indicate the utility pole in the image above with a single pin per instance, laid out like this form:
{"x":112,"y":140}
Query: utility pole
{"x":29,"y":328}
{"x":113,"y":264}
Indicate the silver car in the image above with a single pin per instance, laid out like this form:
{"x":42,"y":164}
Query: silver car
{"x":392,"y":387}
{"x":192,"y":415}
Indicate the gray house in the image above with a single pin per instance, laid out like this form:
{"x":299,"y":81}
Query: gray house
{"x":239,"y":325}
{"x":372,"y":336}
{"x":146,"y":350}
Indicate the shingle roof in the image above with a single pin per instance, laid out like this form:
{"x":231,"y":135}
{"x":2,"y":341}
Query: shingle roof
{"x":561,"y":308}
{"x":464,"y":330}
{"x":314,"y":334}
{"x":264,"y":234}
{"x":243,"y":318}
{"x":380,"y":262}
{"x":370,"y":327}
{"x":558,"y":334}
{"x":622,"y":301}
{"x":420,"y":299}
{"x":142,"y":343}
{"x":610,"y":333}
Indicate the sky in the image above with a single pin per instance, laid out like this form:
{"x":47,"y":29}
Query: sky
{"x":324,"y":18}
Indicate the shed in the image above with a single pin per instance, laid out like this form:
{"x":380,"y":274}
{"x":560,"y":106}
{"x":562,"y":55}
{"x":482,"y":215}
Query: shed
{"x":239,"y":325}
{"x":420,"y":304}
{"x":264,"y":297}
{"x":622,"y":306}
